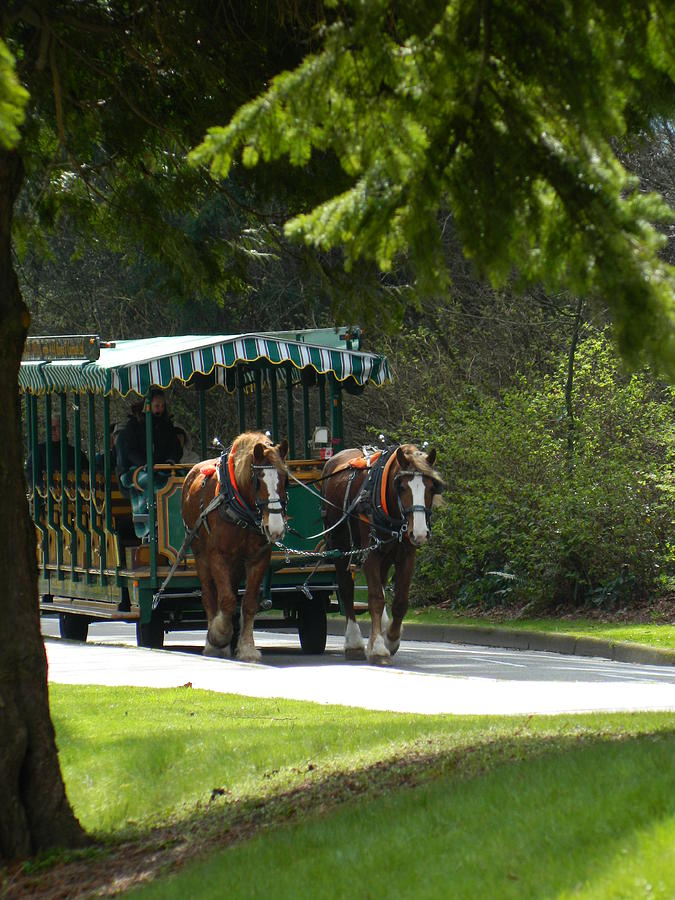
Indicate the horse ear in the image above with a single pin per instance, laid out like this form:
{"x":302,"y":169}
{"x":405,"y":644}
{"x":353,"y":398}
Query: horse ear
{"x":400,"y":456}
{"x":259,"y":452}
{"x":283,"y":448}
{"x":431,"y":456}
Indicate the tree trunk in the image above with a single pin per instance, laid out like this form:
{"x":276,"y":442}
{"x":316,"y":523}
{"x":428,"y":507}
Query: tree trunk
{"x":569,"y":406}
{"x":34,"y":810}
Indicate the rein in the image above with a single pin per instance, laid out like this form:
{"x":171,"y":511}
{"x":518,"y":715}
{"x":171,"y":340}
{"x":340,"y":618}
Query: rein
{"x":370,"y":502}
{"x":185,"y":546}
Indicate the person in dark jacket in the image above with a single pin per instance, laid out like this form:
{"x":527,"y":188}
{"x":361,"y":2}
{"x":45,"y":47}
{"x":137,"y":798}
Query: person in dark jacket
{"x":131,"y":454}
{"x":166,"y":446}
{"x":56,"y":455}
{"x":130,"y":442}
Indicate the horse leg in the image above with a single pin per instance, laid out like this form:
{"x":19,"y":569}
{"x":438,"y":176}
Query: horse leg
{"x":219,"y":635}
{"x":246,"y":648}
{"x":213,"y":645}
{"x":355,"y":646}
{"x":403,"y":577}
{"x":376,"y":651}
{"x":390,"y":642}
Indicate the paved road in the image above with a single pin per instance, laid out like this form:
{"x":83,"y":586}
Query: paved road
{"x":424,"y":677}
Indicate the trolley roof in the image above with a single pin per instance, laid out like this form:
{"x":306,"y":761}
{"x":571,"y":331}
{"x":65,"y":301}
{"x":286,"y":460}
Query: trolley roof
{"x":134,"y":366}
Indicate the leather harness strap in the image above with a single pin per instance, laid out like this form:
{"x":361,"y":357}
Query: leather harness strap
{"x":230,"y":474}
{"x":383,"y":487}
{"x":370,"y":501}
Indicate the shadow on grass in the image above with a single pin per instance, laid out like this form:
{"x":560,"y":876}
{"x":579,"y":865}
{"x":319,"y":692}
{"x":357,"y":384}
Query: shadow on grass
{"x":518,"y":816}
{"x":512,"y":819}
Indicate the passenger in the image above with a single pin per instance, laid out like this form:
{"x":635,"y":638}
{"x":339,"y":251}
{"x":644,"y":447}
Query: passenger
{"x":130,"y":444}
{"x":189,"y":455}
{"x":166,"y":446}
{"x":131,"y":455}
{"x":56,"y":454}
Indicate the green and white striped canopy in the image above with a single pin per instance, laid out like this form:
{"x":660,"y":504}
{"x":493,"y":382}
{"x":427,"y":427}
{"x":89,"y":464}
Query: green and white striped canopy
{"x":135,"y":366}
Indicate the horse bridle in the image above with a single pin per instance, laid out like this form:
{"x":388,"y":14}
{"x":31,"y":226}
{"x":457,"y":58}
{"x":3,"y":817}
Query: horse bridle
{"x":274,"y":506}
{"x":416,"y":507}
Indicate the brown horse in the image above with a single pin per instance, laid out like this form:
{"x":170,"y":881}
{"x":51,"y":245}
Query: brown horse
{"x":236,"y":537}
{"x":379,"y":503}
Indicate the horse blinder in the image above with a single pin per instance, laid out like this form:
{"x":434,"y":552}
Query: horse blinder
{"x":408,"y":510}
{"x":263,"y":505}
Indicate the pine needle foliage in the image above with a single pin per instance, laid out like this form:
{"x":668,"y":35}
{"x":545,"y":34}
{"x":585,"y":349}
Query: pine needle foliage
{"x":13,"y":98}
{"x":505,"y":112}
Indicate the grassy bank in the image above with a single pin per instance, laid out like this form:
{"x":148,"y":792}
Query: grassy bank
{"x":660,"y":635}
{"x":326,"y":801}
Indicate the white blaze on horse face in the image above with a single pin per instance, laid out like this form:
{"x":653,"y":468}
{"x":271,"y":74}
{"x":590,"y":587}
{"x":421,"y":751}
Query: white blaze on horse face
{"x":275,"y":526}
{"x":420,"y":532}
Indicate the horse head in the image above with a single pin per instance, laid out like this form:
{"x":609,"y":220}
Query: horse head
{"x":417,"y":485}
{"x":270,"y":483}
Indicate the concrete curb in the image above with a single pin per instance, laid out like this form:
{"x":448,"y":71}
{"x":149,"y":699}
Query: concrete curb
{"x":487,"y":636}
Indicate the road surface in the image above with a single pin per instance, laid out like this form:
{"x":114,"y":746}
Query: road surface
{"x":424,"y":677}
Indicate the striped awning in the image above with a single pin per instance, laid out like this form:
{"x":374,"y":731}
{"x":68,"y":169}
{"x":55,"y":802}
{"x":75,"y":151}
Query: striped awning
{"x":135,"y":366}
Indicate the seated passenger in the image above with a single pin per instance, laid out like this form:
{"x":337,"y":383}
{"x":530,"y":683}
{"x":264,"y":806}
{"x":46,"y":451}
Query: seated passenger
{"x":56,"y":455}
{"x":131,"y":450}
{"x":189,"y":455}
{"x":132,"y":459}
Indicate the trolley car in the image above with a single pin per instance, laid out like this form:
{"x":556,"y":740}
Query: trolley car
{"x":91,"y":564}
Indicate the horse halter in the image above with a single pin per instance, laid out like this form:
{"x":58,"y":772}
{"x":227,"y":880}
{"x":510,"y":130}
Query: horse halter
{"x":416,"y":507}
{"x":273,"y":507}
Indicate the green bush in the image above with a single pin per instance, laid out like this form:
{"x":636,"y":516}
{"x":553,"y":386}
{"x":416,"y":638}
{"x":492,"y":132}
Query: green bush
{"x":532,"y":515}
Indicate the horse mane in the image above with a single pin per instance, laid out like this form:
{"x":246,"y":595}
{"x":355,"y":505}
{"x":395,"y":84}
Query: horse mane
{"x":418,"y":459}
{"x":242,"y":448}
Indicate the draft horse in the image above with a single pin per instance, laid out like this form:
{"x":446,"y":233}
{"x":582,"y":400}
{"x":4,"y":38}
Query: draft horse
{"x":244,"y":497}
{"x":379,"y":503}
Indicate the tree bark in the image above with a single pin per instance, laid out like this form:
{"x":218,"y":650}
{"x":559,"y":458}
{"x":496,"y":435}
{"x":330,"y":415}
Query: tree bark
{"x":34,"y":811}
{"x":569,"y":383}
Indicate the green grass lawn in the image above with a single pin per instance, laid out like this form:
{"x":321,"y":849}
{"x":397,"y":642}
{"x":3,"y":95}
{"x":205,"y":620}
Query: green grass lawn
{"x":593,"y":821}
{"x":652,"y":635}
{"x":347,"y":802}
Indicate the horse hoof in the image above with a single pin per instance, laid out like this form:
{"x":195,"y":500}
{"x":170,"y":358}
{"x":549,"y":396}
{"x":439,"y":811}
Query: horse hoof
{"x":392,"y":647}
{"x":355,"y":653}
{"x":216,"y":652}
{"x":249,"y":654}
{"x":380,"y":660}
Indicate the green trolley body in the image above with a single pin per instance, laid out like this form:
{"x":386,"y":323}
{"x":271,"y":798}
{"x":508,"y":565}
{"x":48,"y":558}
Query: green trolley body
{"x":91,"y":565}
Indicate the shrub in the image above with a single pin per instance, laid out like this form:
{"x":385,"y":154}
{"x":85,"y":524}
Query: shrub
{"x":529,"y":519}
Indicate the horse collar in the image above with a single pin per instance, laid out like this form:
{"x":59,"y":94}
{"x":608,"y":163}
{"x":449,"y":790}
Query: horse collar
{"x":373,"y":501}
{"x":234,"y":508}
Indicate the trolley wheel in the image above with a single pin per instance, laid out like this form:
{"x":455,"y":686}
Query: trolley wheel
{"x":151,"y":634}
{"x":313,"y":625}
{"x":73,"y":627}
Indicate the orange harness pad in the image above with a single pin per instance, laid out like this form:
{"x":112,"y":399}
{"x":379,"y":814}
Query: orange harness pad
{"x":207,"y":471}
{"x":364,"y":462}
{"x":359,"y":463}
